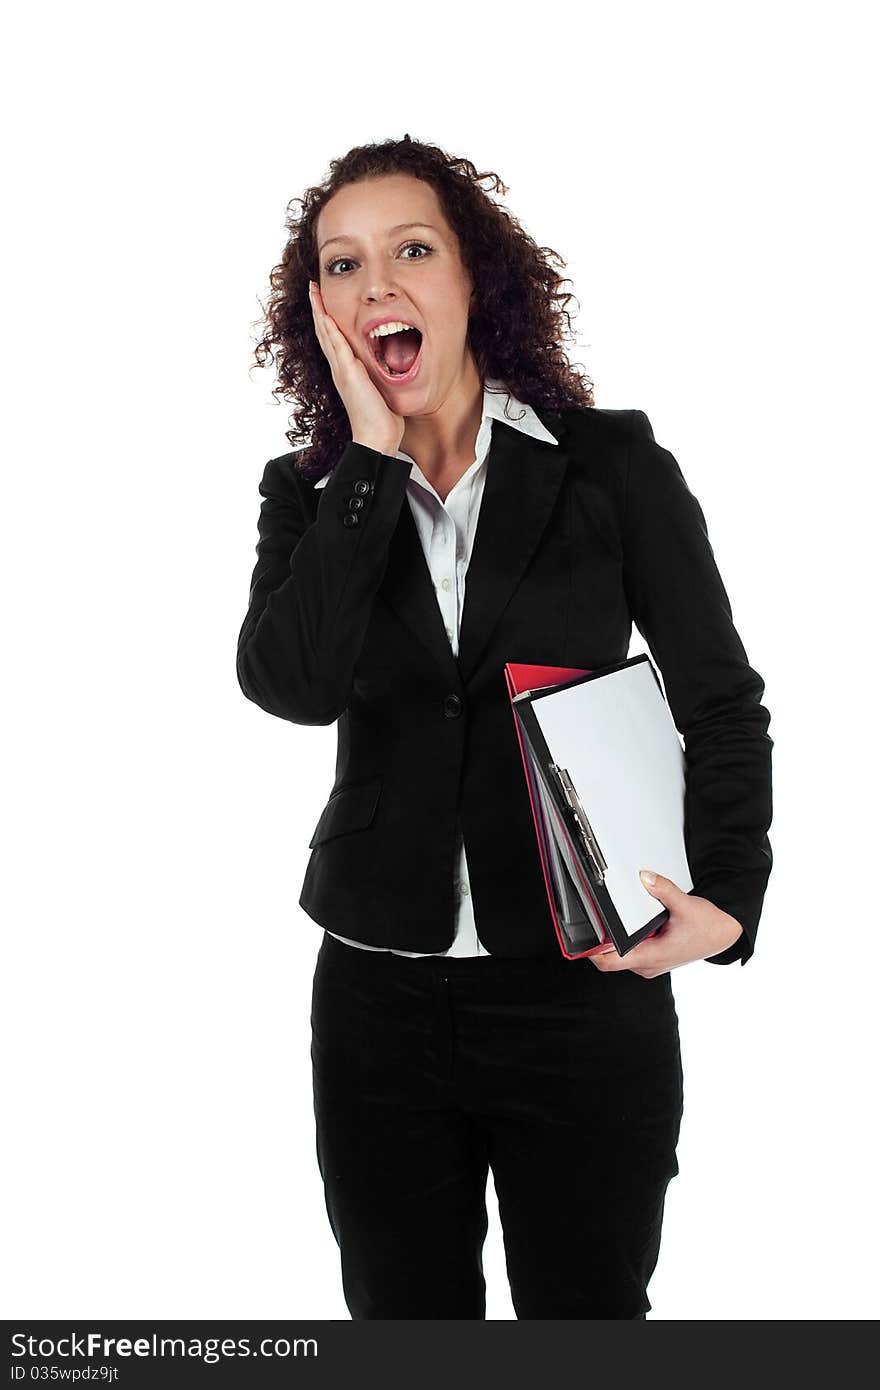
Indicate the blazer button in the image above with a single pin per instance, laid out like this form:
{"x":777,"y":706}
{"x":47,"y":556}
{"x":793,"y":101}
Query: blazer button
{"x":355,"y":504}
{"x":452,"y":706}
{"x":350,"y":519}
{"x":363,"y":486}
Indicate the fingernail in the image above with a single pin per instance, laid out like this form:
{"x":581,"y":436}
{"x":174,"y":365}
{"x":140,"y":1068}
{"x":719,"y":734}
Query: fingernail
{"x":647,"y":877}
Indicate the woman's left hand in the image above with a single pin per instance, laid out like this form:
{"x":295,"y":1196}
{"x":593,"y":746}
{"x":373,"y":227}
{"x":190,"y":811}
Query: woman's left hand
{"x":696,"y":929}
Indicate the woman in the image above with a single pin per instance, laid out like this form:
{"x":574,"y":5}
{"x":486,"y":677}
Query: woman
{"x":449,"y":1034}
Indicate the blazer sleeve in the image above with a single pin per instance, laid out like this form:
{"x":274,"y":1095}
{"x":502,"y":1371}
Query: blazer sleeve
{"x":313,"y":586}
{"x":679,"y":604}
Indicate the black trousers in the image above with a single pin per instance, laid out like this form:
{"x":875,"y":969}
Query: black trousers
{"x":567,"y":1083}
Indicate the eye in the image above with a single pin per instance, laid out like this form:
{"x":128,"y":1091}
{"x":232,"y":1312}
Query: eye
{"x":346,"y":260}
{"x":424,"y":246}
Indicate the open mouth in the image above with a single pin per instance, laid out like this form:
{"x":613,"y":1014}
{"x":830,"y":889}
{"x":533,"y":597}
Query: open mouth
{"x":398,"y":355}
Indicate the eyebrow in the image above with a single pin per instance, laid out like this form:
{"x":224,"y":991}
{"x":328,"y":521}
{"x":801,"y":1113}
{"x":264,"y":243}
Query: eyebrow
{"x":400,"y":227}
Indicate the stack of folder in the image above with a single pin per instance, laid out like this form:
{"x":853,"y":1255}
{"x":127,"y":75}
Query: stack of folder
{"x":606,"y":775}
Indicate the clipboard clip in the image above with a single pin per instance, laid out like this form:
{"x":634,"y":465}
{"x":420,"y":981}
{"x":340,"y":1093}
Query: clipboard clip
{"x":598,"y":863}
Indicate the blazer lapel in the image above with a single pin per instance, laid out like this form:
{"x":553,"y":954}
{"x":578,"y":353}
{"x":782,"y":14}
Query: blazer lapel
{"x":523,"y":479}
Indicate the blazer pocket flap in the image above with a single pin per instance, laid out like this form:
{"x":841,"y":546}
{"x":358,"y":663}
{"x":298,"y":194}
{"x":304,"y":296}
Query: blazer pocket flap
{"x":351,"y":807}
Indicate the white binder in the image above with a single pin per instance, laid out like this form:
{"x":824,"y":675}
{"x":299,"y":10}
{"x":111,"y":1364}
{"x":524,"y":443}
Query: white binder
{"x":606,"y":773}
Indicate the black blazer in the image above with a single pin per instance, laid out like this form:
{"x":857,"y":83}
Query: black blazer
{"x":575,"y":542}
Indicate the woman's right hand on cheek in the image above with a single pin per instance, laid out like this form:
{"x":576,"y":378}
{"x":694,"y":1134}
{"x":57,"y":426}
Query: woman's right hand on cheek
{"x":372,"y":421}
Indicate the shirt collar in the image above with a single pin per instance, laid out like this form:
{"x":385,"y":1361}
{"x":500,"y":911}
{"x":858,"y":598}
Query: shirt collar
{"x":498,"y":404}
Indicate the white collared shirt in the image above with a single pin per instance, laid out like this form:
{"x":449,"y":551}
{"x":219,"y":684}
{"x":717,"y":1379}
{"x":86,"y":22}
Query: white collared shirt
{"x":446,"y":531}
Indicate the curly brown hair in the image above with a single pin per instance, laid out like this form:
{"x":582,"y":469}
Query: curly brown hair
{"x":514,"y":330}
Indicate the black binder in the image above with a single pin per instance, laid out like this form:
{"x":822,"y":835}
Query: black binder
{"x":605,"y":769}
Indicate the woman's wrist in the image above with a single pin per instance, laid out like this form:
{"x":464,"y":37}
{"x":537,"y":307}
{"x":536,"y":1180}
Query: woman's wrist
{"x":383,"y":447}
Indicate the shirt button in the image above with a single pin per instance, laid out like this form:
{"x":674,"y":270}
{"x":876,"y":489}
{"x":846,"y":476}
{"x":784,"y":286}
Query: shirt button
{"x":465,"y":891}
{"x":445,"y":584}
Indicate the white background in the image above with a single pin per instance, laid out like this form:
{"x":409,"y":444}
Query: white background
{"x":706,"y":174}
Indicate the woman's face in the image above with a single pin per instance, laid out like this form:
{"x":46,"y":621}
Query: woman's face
{"x":371,"y":267}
